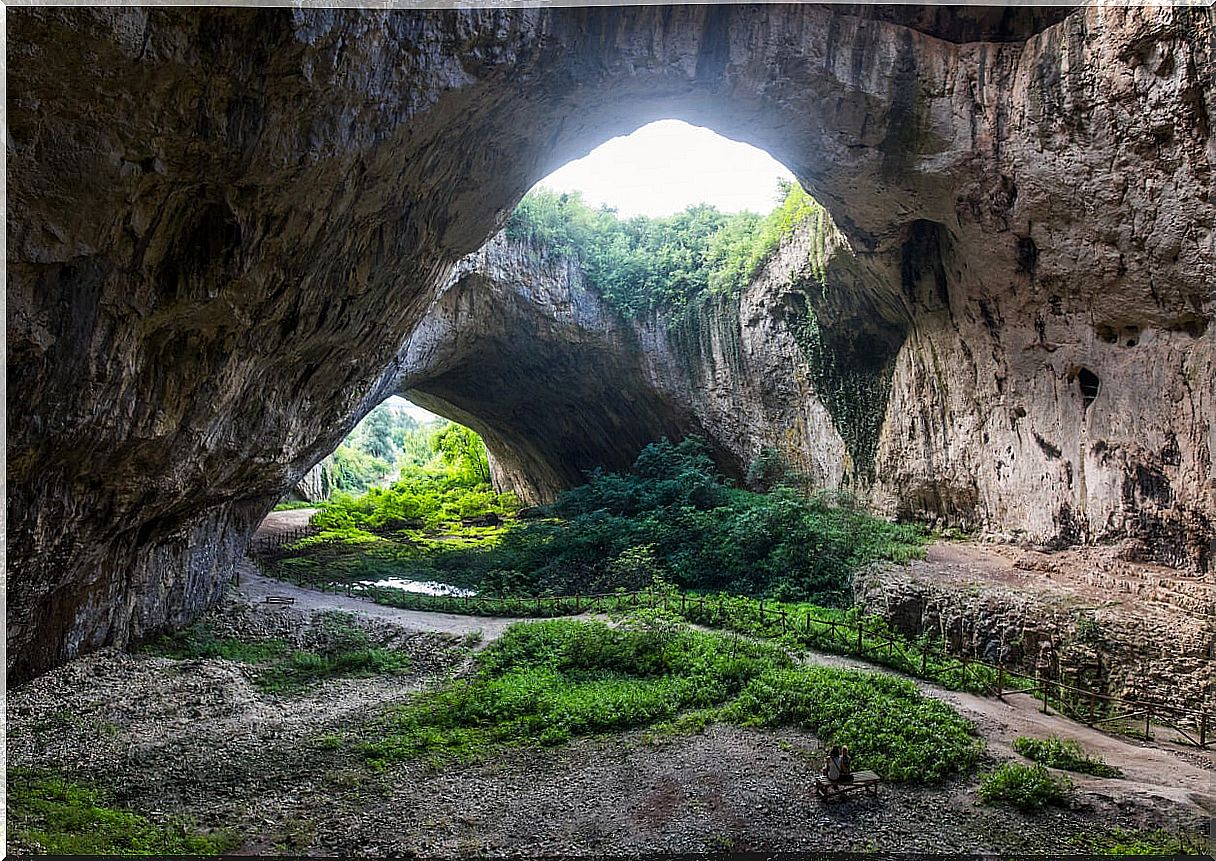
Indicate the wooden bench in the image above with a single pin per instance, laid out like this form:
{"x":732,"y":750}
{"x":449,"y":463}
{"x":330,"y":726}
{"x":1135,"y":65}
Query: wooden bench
{"x":832,"y":790}
{"x":279,"y":599}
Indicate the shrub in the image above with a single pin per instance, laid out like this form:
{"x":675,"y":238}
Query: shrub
{"x":887,"y":724}
{"x":1054,"y":752}
{"x":546,"y":682}
{"x":1026,"y":787}
{"x":673,"y":515}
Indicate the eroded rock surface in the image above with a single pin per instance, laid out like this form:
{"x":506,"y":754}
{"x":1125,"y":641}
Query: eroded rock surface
{"x":225,"y":223}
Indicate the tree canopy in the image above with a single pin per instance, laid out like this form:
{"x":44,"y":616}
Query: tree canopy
{"x":642,"y":264}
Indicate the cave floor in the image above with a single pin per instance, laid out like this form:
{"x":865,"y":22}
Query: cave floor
{"x":196,"y":738}
{"x":1078,"y":576}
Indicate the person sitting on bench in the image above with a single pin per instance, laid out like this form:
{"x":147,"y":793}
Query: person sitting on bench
{"x":836,"y":766}
{"x":831,"y":765}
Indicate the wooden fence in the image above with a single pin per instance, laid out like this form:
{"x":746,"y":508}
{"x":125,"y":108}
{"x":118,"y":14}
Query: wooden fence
{"x":862,"y":638}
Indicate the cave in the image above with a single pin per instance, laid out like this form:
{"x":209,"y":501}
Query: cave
{"x":219,"y":267}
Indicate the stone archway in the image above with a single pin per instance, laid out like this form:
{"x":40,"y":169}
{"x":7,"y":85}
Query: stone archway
{"x":223,"y":224}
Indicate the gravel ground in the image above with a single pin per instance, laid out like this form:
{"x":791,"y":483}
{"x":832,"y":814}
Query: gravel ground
{"x":197,"y":738}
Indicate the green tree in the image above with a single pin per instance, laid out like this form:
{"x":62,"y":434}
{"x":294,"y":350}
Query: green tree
{"x":640,"y":265}
{"x":463,"y":450}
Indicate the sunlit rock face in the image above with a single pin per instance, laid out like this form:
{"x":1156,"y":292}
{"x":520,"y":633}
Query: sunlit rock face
{"x":520,"y":348}
{"x":224,"y":224}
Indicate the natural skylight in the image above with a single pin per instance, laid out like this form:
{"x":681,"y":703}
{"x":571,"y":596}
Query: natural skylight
{"x":668,"y":165}
{"x":411,"y":409}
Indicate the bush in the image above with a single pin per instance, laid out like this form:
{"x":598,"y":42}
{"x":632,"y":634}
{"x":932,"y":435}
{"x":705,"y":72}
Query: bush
{"x":50,"y":815}
{"x":887,"y":724}
{"x":1026,"y":787}
{"x":546,"y":682}
{"x":1054,"y":752}
{"x":672,"y":516}
{"x":703,"y":535}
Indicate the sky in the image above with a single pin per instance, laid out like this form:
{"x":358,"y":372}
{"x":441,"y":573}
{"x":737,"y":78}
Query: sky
{"x":414,"y":411}
{"x":668,"y":165}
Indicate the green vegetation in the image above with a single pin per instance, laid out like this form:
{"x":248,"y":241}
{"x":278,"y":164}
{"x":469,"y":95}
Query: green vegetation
{"x":1054,"y":752}
{"x":885,"y":721}
{"x":346,"y":652}
{"x":673,"y":516}
{"x":792,"y":625}
{"x":1027,"y":787}
{"x":50,"y":815}
{"x":642,"y":264}
{"x":1158,"y":841}
{"x":546,"y":682}
{"x":295,"y":505}
{"x":386,"y":440}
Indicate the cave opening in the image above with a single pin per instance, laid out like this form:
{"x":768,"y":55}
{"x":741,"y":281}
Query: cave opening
{"x":1090,"y":386}
{"x":583,"y":330}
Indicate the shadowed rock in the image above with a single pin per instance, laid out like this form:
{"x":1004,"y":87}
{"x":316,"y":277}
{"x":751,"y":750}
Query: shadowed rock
{"x":225,"y":223}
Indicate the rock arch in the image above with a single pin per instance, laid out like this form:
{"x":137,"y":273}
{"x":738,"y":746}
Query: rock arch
{"x":224,"y":223}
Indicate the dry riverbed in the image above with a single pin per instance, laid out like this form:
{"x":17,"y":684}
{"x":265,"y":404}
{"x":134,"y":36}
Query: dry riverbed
{"x":198,"y":738}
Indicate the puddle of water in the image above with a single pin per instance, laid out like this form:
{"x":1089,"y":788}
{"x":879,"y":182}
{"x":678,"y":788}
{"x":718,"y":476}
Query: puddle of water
{"x":424,"y":587}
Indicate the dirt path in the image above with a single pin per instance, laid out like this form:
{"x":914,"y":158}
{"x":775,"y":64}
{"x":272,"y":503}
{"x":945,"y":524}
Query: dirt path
{"x":1164,"y":772}
{"x":284,"y":521}
{"x":255,"y":588}
{"x":198,"y":738}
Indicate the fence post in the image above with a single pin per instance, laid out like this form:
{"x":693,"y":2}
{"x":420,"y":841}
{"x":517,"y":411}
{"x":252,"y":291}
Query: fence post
{"x":1092,"y":703}
{"x":762,"y":611}
{"x":808,"y":622}
{"x":1148,"y":713}
{"x":859,"y":638}
{"x":1000,"y":680}
{"x":578,"y":604}
{"x":1203,"y":729}
{"x":683,"y":601}
{"x":783,"y":620}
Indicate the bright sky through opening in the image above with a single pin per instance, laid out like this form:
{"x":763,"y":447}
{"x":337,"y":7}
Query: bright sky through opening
{"x":668,"y":165}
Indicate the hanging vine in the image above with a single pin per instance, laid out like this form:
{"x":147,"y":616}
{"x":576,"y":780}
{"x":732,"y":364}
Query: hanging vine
{"x":852,"y":377}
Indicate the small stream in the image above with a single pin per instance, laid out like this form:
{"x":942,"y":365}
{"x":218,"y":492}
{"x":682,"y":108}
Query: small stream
{"x":424,"y":587}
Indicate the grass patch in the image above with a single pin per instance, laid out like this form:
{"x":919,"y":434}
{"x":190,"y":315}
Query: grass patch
{"x":281,"y":668}
{"x":793,"y":625}
{"x":1055,"y":752}
{"x":547,"y":682}
{"x":1029,"y":788}
{"x":1158,"y":841}
{"x":50,"y":815}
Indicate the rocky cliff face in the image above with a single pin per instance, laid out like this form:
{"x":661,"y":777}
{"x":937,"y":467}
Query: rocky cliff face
{"x":224,"y":225}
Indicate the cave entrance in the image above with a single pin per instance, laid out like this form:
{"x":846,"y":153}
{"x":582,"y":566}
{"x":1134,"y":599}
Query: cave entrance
{"x":583,"y":330}
{"x":395,"y":440}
